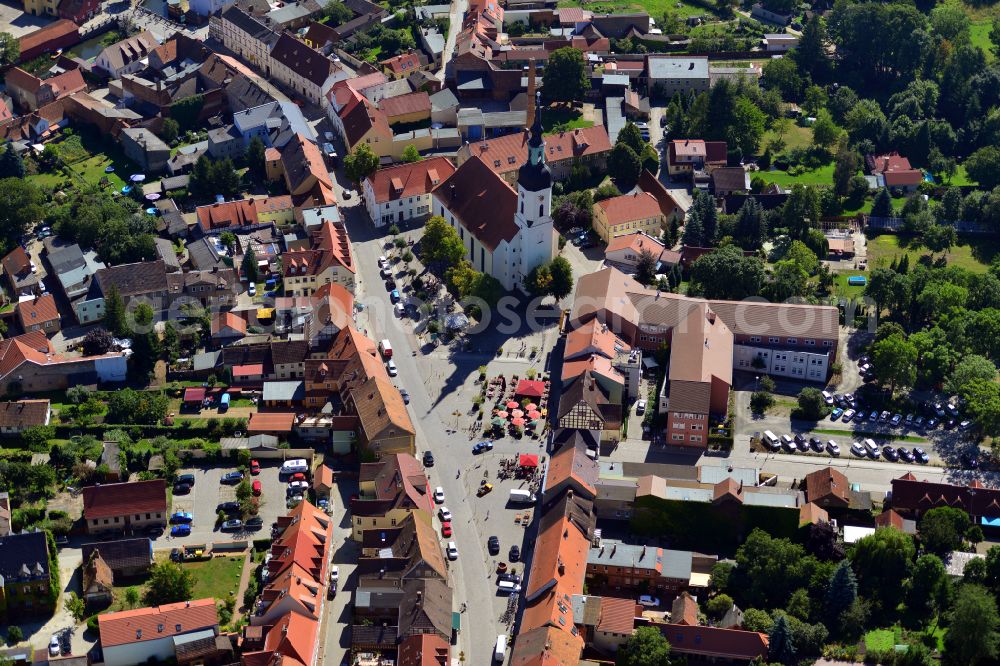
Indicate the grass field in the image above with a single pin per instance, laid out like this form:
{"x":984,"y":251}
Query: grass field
{"x":216,"y":577}
{"x":563,"y":120}
{"x":979,"y":35}
{"x":655,"y":8}
{"x":882,"y":640}
{"x":972,"y":254}
{"x":820,"y":176}
{"x":795,"y":137}
{"x":844,"y":290}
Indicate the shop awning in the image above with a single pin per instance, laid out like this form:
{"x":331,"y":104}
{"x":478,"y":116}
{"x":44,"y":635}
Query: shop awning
{"x":527,"y":460}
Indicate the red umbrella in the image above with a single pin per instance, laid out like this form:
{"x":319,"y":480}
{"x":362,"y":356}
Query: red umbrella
{"x":517,"y":413}
{"x":502,"y":414}
{"x":527,"y":460}
{"x":531,"y":407}
{"x":518,"y":422}
{"x":533,"y":414}
{"x":512,"y":405}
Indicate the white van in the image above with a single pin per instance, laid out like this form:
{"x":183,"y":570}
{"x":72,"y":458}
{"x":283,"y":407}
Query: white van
{"x":521,"y":497}
{"x":827,"y":397}
{"x":385,"y":348}
{"x":508,"y":587}
{"x":788,"y":443}
{"x":771,"y":440}
{"x":295,"y":465}
{"x":500,"y":651}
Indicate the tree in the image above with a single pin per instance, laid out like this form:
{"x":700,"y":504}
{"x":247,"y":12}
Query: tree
{"x":814,"y":100}
{"x":825,"y":131}
{"x":562,"y":277}
{"x":645,"y":270}
{"x":800,"y":211}
{"x":539,"y":280}
{"x":114,"y":313}
{"x":811,"y":404}
{"x":747,"y":126}
{"x":983,"y":404}
{"x":255,"y":158}
{"x":411,"y":154}
{"x":10,"y":49}
{"x":360,"y":164}
{"x":842,"y":590}
{"x":624,"y":166}
{"x":971,"y":367}
{"x":895,"y":360}
{"x":338,"y":12}
{"x":751,"y":225}
{"x":132,"y":596}
{"x":973,"y":627}
{"x":845,"y":168}
{"x":248,"y":267}
{"x":169,"y":130}
{"x":981,"y":166}
{"x":942,"y":529}
{"x":631,"y":136}
{"x":782,"y":74}
{"x":650,"y":158}
{"x":768,"y":569}
{"x":882,"y":206}
{"x":718,"y":606}
{"x":11,"y":164}
{"x":927,"y":589}
{"x":727,"y":274}
{"x":781,"y":648}
{"x":882,"y":561}
{"x":761,"y":401}
{"x":131,"y":406}
{"x":565,"y":76}
{"x":168,"y":583}
{"x":76,"y":607}
{"x":23,"y":208}
{"x":98,"y":341}
{"x":645,"y":647}
{"x":441,"y":244}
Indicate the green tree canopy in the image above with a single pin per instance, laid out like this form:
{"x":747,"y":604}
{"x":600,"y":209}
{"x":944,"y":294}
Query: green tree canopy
{"x":942,"y":529}
{"x":360,"y":164}
{"x":565,"y":76}
{"x":882,"y":561}
{"x":440,"y":244}
{"x":973,"y":623}
{"x":727,"y":274}
{"x":645,"y":647}
{"x":624,"y":166}
{"x":168,"y":583}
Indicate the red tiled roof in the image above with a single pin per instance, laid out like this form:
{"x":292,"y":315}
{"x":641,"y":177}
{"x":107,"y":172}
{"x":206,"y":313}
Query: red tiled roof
{"x":331,"y":245}
{"x":404,"y":63}
{"x":508,"y":153}
{"x":228,"y":320}
{"x":423,"y":650}
{"x":482,"y":201}
{"x":630,"y":207}
{"x":404,"y":105}
{"x":715,"y":641}
{"x":51,"y":32}
{"x":359,"y":117}
{"x":119,"y":499}
{"x":24,"y":413}
{"x":827,"y":485}
{"x":147,"y":624}
{"x":637,"y":242}
{"x":271,"y":422}
{"x":618,"y":615}
{"x":240,"y":213}
{"x":38,"y":310}
{"x":17,"y":261}
{"x":415,"y":179}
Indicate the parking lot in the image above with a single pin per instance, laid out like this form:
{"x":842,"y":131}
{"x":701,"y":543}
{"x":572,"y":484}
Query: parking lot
{"x":208,"y":492}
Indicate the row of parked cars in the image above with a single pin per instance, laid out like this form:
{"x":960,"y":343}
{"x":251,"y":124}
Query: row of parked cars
{"x":867,"y":448}
{"x":847,"y":408}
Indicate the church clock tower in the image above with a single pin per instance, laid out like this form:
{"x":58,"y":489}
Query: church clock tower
{"x":534,"y":202}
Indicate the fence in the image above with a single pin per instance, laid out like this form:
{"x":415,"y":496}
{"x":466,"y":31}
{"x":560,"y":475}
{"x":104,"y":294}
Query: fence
{"x":897,"y":223}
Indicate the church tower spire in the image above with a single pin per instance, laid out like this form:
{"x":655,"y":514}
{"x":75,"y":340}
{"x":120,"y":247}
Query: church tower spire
{"x":534,"y":175}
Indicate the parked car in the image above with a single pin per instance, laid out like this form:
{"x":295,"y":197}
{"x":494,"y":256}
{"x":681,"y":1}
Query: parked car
{"x":896,"y":420}
{"x":232,"y":477}
{"x":889,"y":453}
{"x":394,"y":295}
{"x":884,"y":416}
{"x":180,"y":530}
{"x":640,"y":407}
{"x":298,"y":487}
{"x":234,"y":525}
{"x":649,"y":601}
{"x":833,"y":448}
{"x":932,"y":422}
{"x":254,"y":523}
{"x":334,"y":574}
{"x":452,"y":551}
{"x":181,"y":489}
{"x":298,"y":476}
{"x":965,"y":425}
{"x":872,"y":448}
{"x":480,"y":447}
{"x":256,"y":487}
{"x":515,"y":553}
{"x":858,"y":450}
{"x":444,"y":514}
{"x":509,"y":577}
{"x":918,"y":423}
{"x":254,"y":467}
{"x":405,"y":396}
{"x":816,"y":444}
{"x":439,"y":495}
{"x":228,"y":507}
{"x":836,"y":413}
{"x":904,"y":454}
{"x":428,"y":459}
{"x":920,"y":455}
{"x":848,"y":415}
{"x":181,"y":517}
{"x":493,"y":545}
{"x":390,"y":366}
{"x":446,"y":529}
{"x":54,"y":646}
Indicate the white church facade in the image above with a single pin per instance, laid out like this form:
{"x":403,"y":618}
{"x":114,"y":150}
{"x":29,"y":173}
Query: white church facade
{"x":506,"y":233}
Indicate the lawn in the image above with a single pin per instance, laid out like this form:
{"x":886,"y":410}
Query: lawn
{"x":820,"y":176}
{"x":883,"y":640}
{"x":216,"y":577}
{"x":563,"y":120}
{"x":979,"y":35}
{"x":655,"y":8}
{"x":972,"y":254}
{"x":844,"y":290}
{"x":795,"y":137}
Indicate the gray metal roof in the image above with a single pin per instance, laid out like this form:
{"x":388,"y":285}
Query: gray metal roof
{"x":205,"y":360}
{"x":443,"y":99}
{"x":748,"y":476}
{"x":284,"y":390}
{"x":677,"y":68}
{"x":615,"y":80}
{"x":677,"y":564}
{"x":613,"y":117}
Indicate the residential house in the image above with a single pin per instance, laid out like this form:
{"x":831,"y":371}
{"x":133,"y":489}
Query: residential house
{"x":624,"y":252}
{"x":730,"y":180}
{"x":225,"y":143}
{"x":214,"y":288}
{"x":244,"y":35}
{"x":306,"y":173}
{"x":389,"y":491}
{"x":714,"y":644}
{"x":685,"y":156}
{"x":98,"y":581}
{"x":304,"y":70}
{"x":25,"y":576}
{"x":410,"y":108}
{"x":145,"y":281}
{"x":894,"y":172}
{"x":155,"y":633}
{"x":616,"y":364}
{"x":227,"y":327}
{"x":827,"y":488}
{"x":384,"y":422}
{"x":615,"y":565}
{"x":208,"y":7}
{"x":670,"y":75}
{"x":402,"y":65}
{"x":30,"y":92}
{"x":126,"y":56}
{"x":403,"y":192}
{"x":145,"y":149}
{"x":620,"y":26}
{"x":73,"y":268}
{"x":408,"y":551}
{"x":19,"y":415}
{"x":117,"y":506}
{"x":241,"y":214}
{"x":330,"y":260}
{"x":779,"y":43}
{"x":585,"y":404}
{"x":589,"y":146}
{"x":21,"y":271}
{"x":605,"y":622}
{"x":42,"y":7}
{"x":320,"y":37}
{"x":125,"y":557}
{"x":60,"y":34}
{"x":360,"y":121}
{"x":274,"y":123}
{"x":735,"y":72}
{"x":30,"y":364}
{"x":423,"y":650}
{"x":293,"y":638}
{"x":628,"y":214}
{"x":761,"y":13}
{"x":38,"y":313}
{"x":912,"y":498}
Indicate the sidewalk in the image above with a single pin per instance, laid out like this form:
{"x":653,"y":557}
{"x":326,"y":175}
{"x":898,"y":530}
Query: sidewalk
{"x":248,"y":569}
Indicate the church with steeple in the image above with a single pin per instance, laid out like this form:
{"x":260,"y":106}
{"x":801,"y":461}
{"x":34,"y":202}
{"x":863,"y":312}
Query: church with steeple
{"x":506,"y":232}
